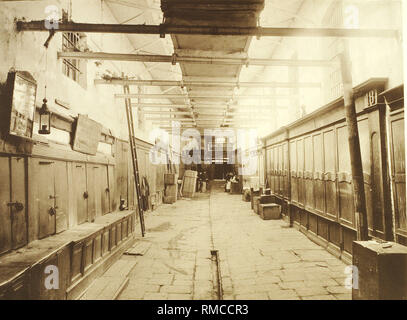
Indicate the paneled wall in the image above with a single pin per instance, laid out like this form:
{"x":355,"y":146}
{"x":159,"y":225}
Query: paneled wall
{"x":308,"y":167}
{"x":398,"y":169}
{"x":52,"y":188}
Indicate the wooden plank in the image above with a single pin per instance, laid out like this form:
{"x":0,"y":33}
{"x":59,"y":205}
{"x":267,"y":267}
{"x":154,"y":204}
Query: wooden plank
{"x":19,"y":218}
{"x":87,"y":135}
{"x":5,"y":214}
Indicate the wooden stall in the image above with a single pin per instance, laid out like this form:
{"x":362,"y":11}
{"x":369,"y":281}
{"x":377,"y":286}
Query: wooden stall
{"x":64,"y":190}
{"x":394,"y":98}
{"x":308,"y":169}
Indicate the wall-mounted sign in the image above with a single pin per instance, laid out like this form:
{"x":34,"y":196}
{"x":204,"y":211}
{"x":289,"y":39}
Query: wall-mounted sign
{"x":21,"y":92}
{"x":87,"y":135}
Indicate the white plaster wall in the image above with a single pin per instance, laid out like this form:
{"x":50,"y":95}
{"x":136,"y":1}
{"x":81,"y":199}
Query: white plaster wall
{"x":25,"y":51}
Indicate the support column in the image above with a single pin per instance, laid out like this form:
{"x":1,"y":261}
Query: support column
{"x":354,"y":145}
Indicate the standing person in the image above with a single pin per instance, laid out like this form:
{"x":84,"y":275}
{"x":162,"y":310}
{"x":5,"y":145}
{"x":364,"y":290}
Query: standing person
{"x":200,"y":180}
{"x":228,"y":182}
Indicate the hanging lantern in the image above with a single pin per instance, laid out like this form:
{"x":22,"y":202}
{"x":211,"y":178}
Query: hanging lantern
{"x":45,"y":119}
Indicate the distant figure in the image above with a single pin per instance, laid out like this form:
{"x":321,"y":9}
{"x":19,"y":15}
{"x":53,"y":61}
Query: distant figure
{"x":202,"y":179}
{"x":229,"y":177}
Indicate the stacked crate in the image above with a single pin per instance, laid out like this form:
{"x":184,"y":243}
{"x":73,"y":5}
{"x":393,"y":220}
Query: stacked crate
{"x":171,"y":187}
{"x":189,"y":183}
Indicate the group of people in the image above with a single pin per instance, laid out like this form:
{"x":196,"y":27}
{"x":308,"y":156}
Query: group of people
{"x":230,"y":177}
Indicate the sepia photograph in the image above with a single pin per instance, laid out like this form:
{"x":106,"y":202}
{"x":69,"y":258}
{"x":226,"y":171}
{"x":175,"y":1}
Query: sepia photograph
{"x":206,"y":154}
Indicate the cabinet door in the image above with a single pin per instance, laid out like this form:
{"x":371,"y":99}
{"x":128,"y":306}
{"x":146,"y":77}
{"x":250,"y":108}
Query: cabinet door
{"x":104,"y":189}
{"x":95,"y":186}
{"x":18,"y":215}
{"x":5,"y":217}
{"x":45,"y":198}
{"x":112,"y":189}
{"x":61,"y":196}
{"x":79,"y":179}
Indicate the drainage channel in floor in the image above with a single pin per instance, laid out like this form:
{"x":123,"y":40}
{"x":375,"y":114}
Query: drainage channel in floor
{"x":216,"y":275}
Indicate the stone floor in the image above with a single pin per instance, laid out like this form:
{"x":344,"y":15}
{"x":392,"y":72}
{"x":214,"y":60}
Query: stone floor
{"x":258,"y":259}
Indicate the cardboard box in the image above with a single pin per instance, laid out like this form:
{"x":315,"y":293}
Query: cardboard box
{"x":269,"y":211}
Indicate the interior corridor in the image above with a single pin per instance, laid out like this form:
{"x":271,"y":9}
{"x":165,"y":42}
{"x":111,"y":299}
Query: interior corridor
{"x":257,"y":259}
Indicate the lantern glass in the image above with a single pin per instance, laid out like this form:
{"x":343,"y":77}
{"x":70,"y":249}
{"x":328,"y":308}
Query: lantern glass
{"x":45,"y":119}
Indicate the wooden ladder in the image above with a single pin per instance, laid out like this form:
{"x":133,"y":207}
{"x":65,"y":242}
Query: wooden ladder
{"x":130,"y":124}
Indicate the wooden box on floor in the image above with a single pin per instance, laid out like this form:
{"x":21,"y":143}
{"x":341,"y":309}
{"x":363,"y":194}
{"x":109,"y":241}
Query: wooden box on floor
{"x":381,"y":271}
{"x":235,"y":188}
{"x":252,"y":195}
{"x":170,"y":193}
{"x":169,"y":199}
{"x":256,"y":204}
{"x":269,"y":211}
{"x":266,"y":199}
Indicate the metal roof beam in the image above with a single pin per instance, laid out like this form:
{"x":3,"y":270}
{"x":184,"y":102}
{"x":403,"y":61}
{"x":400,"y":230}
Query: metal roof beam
{"x":170,"y":83}
{"x":181,"y":96}
{"x":162,"y":29}
{"x":181,"y":59}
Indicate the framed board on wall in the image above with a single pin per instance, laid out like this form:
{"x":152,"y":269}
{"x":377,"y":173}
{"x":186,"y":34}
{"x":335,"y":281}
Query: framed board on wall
{"x":21,"y":94}
{"x":87,"y":135}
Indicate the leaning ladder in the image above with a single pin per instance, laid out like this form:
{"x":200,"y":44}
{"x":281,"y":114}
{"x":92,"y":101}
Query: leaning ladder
{"x":130,"y":124}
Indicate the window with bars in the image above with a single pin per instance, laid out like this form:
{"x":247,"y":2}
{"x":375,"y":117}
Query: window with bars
{"x":71,"y":41}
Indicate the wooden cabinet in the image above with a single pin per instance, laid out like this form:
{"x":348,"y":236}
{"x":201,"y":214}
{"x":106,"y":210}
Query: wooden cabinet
{"x":45,"y":197}
{"x":5,"y":213}
{"x":61,"y":196}
{"x":18,"y":197}
{"x":13,"y":211}
{"x":98,"y":190}
{"x":398,"y":170}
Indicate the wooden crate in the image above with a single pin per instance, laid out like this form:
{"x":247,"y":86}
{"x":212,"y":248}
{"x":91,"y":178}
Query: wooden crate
{"x":252,"y":195}
{"x":171,"y":190}
{"x":266,"y":199}
{"x":189,"y":186}
{"x":170,"y":178}
{"x":169,"y":199}
{"x":235,"y":188}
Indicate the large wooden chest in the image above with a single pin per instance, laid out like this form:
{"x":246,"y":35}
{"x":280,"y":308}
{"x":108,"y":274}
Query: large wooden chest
{"x":381,"y":271}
